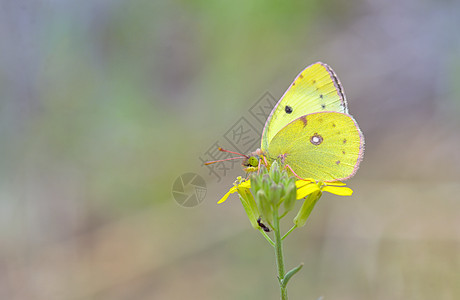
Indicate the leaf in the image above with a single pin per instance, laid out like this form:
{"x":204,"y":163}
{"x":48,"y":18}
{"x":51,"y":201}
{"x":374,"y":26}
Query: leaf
{"x":291,"y":273}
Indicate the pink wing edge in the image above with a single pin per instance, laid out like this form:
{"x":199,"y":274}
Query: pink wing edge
{"x":360,"y":154}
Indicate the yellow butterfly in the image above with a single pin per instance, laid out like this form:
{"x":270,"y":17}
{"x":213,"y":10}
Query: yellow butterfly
{"x":309,"y":131}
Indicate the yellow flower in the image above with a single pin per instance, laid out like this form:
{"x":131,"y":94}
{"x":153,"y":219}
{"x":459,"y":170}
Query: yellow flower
{"x":243,"y":187}
{"x":312,"y":191}
{"x":238,"y":186}
{"x":304,"y":188}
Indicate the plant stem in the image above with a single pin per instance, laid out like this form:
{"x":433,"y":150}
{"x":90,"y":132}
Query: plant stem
{"x":267,"y":237}
{"x":287,"y":233}
{"x":279,"y":254}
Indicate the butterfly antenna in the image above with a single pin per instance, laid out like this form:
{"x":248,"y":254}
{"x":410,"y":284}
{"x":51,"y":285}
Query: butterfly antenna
{"x":228,"y":151}
{"x":216,"y":161}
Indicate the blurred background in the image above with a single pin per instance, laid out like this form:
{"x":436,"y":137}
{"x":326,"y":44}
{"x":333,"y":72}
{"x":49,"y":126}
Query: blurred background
{"x":103,"y":104}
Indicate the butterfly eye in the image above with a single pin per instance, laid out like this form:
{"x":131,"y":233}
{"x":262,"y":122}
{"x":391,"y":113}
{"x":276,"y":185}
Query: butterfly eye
{"x":288,"y":109}
{"x":316,"y":139}
{"x":253,"y":161}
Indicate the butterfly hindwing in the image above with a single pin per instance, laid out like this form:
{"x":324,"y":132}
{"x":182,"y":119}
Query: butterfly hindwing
{"x":315,"y":89}
{"x":327,"y":146}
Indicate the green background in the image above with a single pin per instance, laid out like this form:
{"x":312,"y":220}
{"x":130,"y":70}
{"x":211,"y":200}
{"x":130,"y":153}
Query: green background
{"x":103,"y":104}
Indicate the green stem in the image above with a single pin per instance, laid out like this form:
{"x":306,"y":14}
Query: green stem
{"x":267,"y":237}
{"x":285,"y":213}
{"x":279,"y":254}
{"x":287,"y":233}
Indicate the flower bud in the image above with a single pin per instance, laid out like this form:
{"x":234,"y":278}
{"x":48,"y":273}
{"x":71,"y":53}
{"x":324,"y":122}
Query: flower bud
{"x":275,"y":193}
{"x":265,"y":207}
{"x":307,"y":206}
{"x":290,"y":197}
{"x":275,"y":174}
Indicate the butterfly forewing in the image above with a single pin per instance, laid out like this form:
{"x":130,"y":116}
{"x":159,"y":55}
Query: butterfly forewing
{"x":315,"y":89}
{"x":326,"y":146}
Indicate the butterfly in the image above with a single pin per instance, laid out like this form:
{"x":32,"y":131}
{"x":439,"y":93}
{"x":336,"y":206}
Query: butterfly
{"x":309,"y":131}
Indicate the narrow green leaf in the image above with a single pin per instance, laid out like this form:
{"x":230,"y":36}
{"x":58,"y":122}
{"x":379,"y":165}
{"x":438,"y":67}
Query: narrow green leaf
{"x":291,"y":273}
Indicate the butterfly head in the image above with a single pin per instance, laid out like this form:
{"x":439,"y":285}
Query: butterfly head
{"x":254,"y":160}
{"x":251,"y":161}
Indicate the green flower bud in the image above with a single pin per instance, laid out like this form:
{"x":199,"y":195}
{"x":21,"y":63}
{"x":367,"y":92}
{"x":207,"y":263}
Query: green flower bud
{"x":307,"y":206}
{"x":275,"y":193}
{"x":275,"y":172}
{"x":284,"y":178}
{"x":265,"y":207}
{"x":290,"y":197}
{"x":266,"y":184}
{"x":260,"y":196}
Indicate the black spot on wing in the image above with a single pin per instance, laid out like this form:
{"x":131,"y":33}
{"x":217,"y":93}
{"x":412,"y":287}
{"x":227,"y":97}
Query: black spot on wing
{"x":288,"y":109}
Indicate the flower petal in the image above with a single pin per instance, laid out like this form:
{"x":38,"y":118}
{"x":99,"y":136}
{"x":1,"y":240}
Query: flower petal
{"x":336,"y":183}
{"x":306,"y":190}
{"x":245,"y":184}
{"x":338,"y":190}
{"x":231,"y":191}
{"x":302,"y":183}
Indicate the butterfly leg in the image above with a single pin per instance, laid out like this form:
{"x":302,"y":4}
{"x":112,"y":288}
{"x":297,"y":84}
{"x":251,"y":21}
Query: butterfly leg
{"x":258,"y":167}
{"x":295,"y":174}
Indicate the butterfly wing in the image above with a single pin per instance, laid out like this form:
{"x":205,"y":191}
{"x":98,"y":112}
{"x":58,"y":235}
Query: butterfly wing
{"x":315,"y":89}
{"x":326,"y":146}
